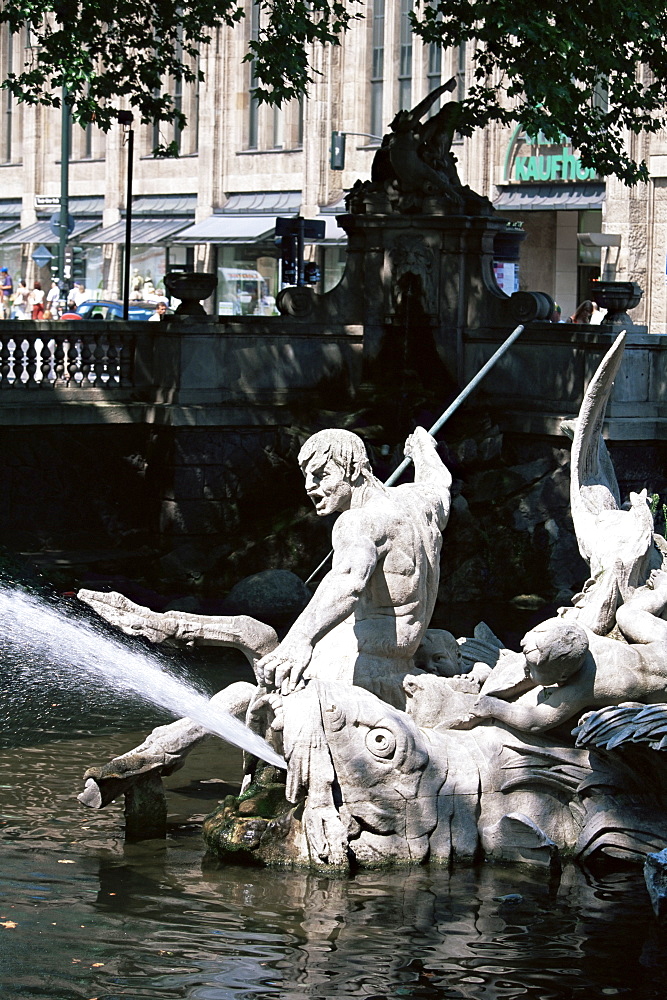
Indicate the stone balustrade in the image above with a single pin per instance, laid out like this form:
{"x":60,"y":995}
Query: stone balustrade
{"x":248,"y":371}
{"x":238,"y":371}
{"x":32,"y":357}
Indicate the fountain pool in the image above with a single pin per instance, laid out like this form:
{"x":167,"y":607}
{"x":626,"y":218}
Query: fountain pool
{"x":83,"y":915}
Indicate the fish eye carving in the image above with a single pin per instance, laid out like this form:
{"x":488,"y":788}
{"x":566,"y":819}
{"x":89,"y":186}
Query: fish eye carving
{"x":381,"y":742}
{"x":335,"y":716}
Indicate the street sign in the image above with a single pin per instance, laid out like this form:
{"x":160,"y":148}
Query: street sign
{"x":42,"y":256}
{"x":54,"y":223}
{"x":313,"y":229}
{"x":293,"y":233}
{"x":47,"y":200}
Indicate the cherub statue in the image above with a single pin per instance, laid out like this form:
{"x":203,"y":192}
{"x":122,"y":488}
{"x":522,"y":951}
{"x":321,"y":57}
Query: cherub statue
{"x":570,"y":668}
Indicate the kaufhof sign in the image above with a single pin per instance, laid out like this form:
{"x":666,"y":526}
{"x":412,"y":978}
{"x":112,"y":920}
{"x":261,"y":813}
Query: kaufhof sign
{"x":537,"y":159}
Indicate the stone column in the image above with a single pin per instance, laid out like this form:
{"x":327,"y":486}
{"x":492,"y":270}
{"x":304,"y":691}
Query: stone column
{"x":217,"y":125}
{"x":115,"y":181}
{"x":316,"y":127}
{"x":627,"y":212}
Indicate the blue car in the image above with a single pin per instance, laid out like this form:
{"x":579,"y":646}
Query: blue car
{"x":111,"y":309}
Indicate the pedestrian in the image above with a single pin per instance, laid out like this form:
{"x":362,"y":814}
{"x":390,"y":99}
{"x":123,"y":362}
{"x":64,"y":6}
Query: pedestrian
{"x":6,"y":290}
{"x":52,"y":300}
{"x":76,"y":296}
{"x":598,"y":315}
{"x":583,"y":312}
{"x":20,"y":302}
{"x":37,"y":301}
{"x":159,"y":314}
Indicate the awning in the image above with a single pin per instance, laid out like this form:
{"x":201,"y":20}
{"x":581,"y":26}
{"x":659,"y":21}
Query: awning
{"x":263,"y":203}
{"x":235,"y":229}
{"x":144,"y":231}
{"x":549,"y":197}
{"x":229,"y":229}
{"x":10,"y":208}
{"x":6,"y":226}
{"x":153,"y":206}
{"x":41,"y":232}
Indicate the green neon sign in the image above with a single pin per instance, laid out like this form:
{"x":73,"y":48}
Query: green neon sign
{"x":563,"y":166}
{"x":558,"y":164}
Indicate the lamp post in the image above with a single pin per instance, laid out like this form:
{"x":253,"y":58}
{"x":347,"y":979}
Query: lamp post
{"x":125,"y":118}
{"x":63,"y":227}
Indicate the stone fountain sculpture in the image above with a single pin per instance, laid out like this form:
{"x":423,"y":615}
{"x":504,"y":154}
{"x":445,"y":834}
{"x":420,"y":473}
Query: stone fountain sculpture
{"x":403,"y":744}
{"x":415,"y":166}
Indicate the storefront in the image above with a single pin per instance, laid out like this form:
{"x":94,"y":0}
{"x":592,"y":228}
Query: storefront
{"x":248,"y":257}
{"x":155,"y":223}
{"x":18,"y":245}
{"x":547,"y":190}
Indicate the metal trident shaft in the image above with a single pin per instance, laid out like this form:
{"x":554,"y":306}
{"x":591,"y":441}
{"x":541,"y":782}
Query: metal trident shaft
{"x":462,"y":396}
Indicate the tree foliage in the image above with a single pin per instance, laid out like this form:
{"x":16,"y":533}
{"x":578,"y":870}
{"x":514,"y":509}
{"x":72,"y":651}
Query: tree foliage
{"x":102,"y":51}
{"x":589,"y":69}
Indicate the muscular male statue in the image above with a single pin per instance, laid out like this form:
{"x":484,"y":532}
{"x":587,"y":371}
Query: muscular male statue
{"x":369,"y":614}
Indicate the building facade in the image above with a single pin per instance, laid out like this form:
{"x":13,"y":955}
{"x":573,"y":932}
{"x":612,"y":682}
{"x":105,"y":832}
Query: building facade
{"x":242,"y":165}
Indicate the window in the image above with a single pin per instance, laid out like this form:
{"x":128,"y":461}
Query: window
{"x":10,"y":130}
{"x":299,"y":124}
{"x":87,"y":144}
{"x":185,"y":99}
{"x":600,"y":98}
{"x":460,"y":77}
{"x":193,"y":112}
{"x":377,"y":68}
{"x":8,"y":100}
{"x":278,"y":130}
{"x":460,"y":72}
{"x":253,"y":104}
{"x":178,"y":100}
{"x":81,"y":142}
{"x":434,"y":71}
{"x":405,"y":57}
{"x":588,"y":258}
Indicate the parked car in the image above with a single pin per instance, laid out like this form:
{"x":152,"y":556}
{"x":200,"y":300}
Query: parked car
{"x":111,"y":309}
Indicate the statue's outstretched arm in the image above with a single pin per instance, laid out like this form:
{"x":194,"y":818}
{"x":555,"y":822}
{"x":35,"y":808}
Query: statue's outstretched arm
{"x":430,"y":470}
{"x":425,"y":105}
{"x":526,"y":716}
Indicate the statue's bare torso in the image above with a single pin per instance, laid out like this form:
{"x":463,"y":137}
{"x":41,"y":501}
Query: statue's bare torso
{"x":395,"y":607}
{"x":367,"y":617}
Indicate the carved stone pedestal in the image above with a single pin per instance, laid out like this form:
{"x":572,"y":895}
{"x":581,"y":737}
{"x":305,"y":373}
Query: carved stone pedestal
{"x":417,"y":283}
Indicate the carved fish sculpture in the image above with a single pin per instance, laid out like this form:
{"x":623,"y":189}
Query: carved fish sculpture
{"x":370,"y":788}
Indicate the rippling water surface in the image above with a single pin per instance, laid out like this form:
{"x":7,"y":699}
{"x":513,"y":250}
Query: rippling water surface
{"x":84,"y":916}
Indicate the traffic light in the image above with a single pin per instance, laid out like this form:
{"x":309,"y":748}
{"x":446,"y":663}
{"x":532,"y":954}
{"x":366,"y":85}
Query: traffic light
{"x":289,"y":253}
{"x":311,"y":273}
{"x":78,"y":265}
{"x":337,"y":160}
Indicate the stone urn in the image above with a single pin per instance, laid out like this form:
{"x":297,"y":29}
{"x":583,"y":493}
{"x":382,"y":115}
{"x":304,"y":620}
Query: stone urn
{"x":616,"y":297}
{"x":190,"y":287}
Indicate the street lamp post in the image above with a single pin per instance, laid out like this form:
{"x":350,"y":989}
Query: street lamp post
{"x":125,"y":118}
{"x":63,"y":226}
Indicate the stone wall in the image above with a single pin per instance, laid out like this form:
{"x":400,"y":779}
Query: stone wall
{"x":186,"y":476}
